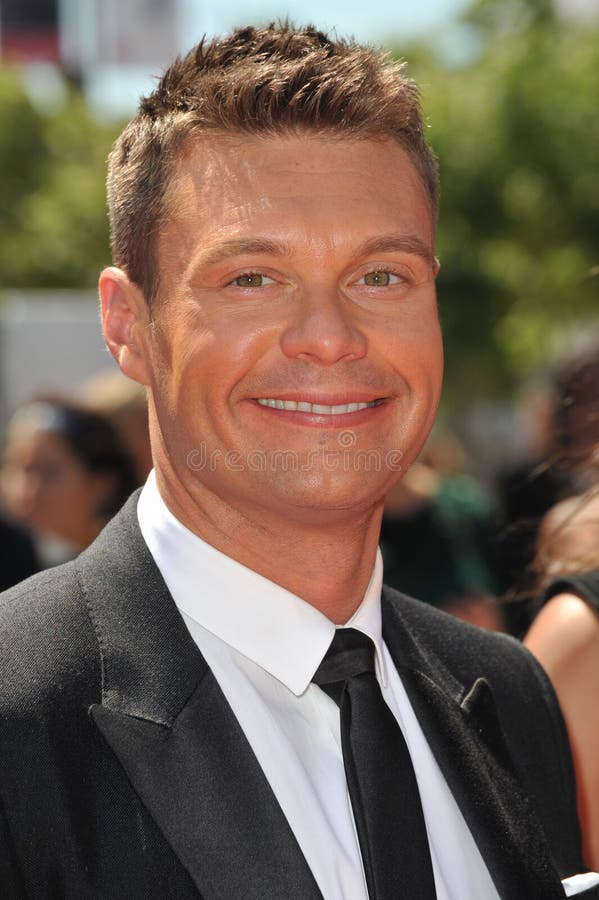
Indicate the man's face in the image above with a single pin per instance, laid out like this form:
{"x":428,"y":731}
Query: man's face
{"x":295,"y":360}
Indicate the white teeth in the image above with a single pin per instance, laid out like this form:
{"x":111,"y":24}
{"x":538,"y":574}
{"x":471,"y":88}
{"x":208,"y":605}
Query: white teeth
{"x":321,"y":409}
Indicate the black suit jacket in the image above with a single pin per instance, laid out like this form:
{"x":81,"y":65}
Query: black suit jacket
{"x":124,"y":774}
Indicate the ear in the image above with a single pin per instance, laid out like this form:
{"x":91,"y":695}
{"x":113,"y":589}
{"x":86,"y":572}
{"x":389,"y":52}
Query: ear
{"x":125,"y":321}
{"x":436,"y":266}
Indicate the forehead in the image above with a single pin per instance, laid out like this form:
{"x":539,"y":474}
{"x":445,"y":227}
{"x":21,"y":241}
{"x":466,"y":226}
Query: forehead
{"x":229,"y":185}
{"x":27,"y":440}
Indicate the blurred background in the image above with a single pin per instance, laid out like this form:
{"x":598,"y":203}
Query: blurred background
{"x":511,"y":96}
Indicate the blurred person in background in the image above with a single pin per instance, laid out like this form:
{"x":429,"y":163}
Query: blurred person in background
{"x":436,"y":535}
{"x":125,"y":405}
{"x":564,"y":637}
{"x":565,"y":633}
{"x":64,"y":474}
{"x":566,"y":428}
{"x":525,"y":488}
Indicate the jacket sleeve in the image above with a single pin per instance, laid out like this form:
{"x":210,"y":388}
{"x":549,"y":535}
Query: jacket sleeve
{"x":10,"y":876}
{"x":541,"y":752}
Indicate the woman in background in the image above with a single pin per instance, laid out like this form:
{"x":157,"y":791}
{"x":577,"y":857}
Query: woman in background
{"x":564,"y":637}
{"x":65,"y":473}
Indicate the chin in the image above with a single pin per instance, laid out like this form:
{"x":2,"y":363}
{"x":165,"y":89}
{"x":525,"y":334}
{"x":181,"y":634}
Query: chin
{"x":326,"y":493}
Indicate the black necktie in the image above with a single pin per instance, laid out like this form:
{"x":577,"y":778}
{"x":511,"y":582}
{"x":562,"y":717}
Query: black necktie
{"x":380,"y":776}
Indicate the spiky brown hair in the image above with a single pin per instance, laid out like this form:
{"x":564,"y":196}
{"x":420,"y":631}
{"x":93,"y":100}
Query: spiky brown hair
{"x":271,"y":80}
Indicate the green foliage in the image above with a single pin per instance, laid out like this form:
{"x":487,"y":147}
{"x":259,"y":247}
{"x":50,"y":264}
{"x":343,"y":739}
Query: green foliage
{"x":53,"y":227}
{"x":517,"y":135}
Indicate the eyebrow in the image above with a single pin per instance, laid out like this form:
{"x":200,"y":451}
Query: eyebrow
{"x":242,"y":247}
{"x":388,"y":243}
{"x":397,"y":243}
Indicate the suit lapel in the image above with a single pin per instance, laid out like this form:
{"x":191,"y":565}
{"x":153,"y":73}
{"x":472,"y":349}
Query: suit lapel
{"x":203,"y":786}
{"x":463,"y":730}
{"x":167,"y":721}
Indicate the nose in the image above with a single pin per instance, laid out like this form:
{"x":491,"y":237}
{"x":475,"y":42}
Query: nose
{"x":325,"y":331}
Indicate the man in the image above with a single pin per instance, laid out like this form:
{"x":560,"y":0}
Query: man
{"x":272,"y":209}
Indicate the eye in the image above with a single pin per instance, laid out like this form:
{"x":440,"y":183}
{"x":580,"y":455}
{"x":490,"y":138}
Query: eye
{"x":252,"y":280}
{"x":380,"y":278}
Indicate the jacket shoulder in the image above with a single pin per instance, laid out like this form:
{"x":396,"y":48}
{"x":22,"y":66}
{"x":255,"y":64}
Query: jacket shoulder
{"x":520,"y":686}
{"x":49,"y":647}
{"x":463,"y":647}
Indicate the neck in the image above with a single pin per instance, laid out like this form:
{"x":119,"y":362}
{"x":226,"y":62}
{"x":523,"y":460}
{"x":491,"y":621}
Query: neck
{"x":326,"y":557}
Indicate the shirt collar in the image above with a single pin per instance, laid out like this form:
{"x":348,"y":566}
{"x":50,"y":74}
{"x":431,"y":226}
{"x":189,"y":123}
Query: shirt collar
{"x":368,"y":617}
{"x":277,"y":630}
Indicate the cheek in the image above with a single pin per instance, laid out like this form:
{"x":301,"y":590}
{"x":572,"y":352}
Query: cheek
{"x":432,"y":358}
{"x":214,"y":361}
{"x":415,"y":346}
{"x":240,"y":335}
{"x":69,"y":480}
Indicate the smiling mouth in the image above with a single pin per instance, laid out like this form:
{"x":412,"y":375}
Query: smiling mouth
{"x":320,"y":409}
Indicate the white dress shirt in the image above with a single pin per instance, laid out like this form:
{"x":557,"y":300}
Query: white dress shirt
{"x":263,"y":645}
